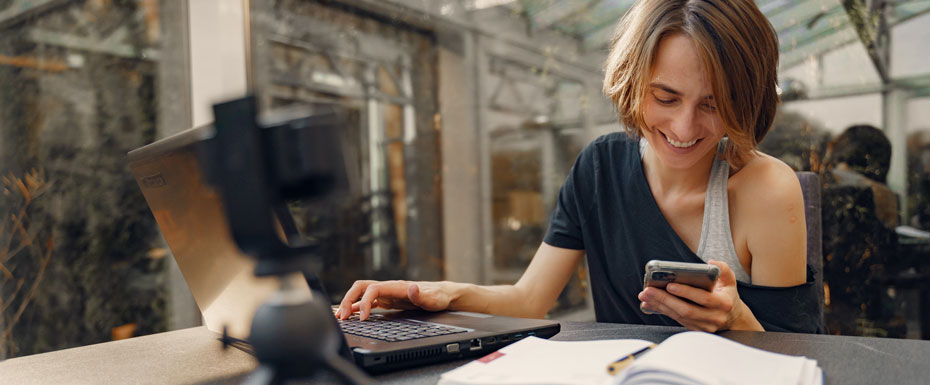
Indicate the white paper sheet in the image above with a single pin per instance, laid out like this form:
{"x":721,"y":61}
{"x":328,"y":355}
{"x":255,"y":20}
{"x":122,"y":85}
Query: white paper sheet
{"x":538,"y":361}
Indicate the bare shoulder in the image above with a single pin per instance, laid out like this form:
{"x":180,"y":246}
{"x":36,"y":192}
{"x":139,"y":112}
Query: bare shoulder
{"x":770,"y":208}
{"x":767,"y":181}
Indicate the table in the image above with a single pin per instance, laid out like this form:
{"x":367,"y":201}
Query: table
{"x":194,"y":356}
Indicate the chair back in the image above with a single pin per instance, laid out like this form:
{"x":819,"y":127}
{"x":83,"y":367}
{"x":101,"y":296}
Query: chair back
{"x":810,"y":187}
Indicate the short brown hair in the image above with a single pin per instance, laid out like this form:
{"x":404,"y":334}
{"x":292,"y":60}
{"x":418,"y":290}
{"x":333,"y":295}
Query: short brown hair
{"x":739,"y":48}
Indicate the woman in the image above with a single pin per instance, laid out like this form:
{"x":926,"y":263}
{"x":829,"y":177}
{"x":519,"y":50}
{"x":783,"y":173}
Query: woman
{"x":694,"y":83}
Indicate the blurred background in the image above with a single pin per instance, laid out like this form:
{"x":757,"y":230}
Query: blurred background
{"x":466,"y":116}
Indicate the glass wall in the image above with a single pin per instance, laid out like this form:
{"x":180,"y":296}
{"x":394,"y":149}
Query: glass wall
{"x":851,"y":113}
{"x":535,"y":129}
{"x":84,"y":82}
{"x":315,"y":52}
{"x":464,"y":118}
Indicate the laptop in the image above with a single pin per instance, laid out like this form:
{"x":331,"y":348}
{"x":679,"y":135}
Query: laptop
{"x":192,"y":220}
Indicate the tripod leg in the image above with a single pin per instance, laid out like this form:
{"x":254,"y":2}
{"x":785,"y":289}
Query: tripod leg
{"x":317,"y":288}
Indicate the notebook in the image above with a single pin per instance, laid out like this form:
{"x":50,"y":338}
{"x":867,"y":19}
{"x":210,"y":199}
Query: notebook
{"x":191,"y":217}
{"x":692,"y":358}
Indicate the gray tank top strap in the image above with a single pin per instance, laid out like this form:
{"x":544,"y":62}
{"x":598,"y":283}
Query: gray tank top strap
{"x":716,"y":238}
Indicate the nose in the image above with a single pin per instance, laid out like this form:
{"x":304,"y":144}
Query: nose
{"x":683,"y":125}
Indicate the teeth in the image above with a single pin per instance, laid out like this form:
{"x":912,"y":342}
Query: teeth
{"x":680,"y":144}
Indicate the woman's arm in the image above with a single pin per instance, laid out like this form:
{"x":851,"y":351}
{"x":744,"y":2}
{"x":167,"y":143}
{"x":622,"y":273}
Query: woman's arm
{"x":531,"y":297}
{"x":777,"y":231}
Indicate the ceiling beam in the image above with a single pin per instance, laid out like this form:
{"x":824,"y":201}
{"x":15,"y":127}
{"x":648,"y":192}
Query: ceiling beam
{"x":802,"y":52}
{"x":801,"y":14}
{"x":599,"y":39}
{"x":772,"y":7}
{"x":601,"y":29}
{"x":20,"y":10}
{"x":41,"y":63}
{"x":819,"y":43}
{"x":110,"y":45}
{"x":797,"y":37}
{"x":828,"y":19}
{"x":871,"y":25}
{"x":560,"y":11}
{"x":906,"y":10}
{"x":917,"y":85}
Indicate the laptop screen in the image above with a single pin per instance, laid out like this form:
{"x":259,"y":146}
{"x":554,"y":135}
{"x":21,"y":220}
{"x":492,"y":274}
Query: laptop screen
{"x":190,"y":214}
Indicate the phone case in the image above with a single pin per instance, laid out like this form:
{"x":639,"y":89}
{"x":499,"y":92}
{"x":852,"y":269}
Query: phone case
{"x":661,"y":273}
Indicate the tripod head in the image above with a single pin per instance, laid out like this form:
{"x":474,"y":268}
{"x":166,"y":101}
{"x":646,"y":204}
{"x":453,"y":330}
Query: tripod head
{"x":257,"y":165}
{"x":294,"y":336}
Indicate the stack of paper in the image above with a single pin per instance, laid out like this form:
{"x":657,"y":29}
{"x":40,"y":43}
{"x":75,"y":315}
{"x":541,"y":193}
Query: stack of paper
{"x":685,"y":358}
{"x":538,"y":361}
{"x":702,"y":358}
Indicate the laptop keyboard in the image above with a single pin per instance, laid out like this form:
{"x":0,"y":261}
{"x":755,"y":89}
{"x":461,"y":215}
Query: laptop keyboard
{"x":395,"y":329}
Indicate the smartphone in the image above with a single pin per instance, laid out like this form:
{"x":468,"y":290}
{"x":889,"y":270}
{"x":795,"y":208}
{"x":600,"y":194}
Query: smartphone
{"x":660,"y":273}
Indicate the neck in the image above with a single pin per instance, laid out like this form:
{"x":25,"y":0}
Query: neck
{"x":664,"y":181}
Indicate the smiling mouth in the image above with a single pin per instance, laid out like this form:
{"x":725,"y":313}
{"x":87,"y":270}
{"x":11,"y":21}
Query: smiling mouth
{"x":678,"y":144}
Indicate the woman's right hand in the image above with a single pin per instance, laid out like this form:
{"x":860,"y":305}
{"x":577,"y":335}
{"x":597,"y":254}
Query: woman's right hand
{"x":531,"y":297}
{"x":366,"y":295}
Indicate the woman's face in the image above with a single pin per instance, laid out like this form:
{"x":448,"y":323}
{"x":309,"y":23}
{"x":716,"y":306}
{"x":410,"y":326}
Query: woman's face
{"x":682,"y":124}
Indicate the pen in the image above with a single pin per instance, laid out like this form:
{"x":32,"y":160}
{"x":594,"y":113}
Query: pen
{"x":625,"y":361}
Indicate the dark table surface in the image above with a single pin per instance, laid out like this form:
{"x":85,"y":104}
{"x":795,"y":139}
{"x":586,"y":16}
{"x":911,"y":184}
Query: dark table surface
{"x":195,"y":356}
{"x":844,"y":360}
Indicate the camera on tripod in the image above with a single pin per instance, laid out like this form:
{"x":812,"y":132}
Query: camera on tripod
{"x":257,"y":165}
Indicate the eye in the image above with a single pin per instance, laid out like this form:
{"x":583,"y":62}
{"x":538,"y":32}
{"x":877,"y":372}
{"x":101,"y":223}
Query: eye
{"x":664,"y":101}
{"x":709,"y":107}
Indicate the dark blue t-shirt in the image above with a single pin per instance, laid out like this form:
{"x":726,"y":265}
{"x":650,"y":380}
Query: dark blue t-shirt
{"x":606,"y":209}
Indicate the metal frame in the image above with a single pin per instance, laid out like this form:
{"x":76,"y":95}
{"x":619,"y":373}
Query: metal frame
{"x":20,"y":10}
{"x":869,"y":19}
{"x":370,"y":52}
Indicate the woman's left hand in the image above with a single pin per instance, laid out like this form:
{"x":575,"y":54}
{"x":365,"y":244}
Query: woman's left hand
{"x":711,"y":311}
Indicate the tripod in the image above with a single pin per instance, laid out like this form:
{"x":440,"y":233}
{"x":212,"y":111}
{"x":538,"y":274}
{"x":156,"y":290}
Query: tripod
{"x":256,"y":168}
{"x":294,"y":335}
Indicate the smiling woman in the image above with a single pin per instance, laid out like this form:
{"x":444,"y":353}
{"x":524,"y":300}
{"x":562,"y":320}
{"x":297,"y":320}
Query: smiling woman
{"x":679,"y":108}
{"x":736,"y":50}
{"x":684,"y":74}
{"x":694,"y":84}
